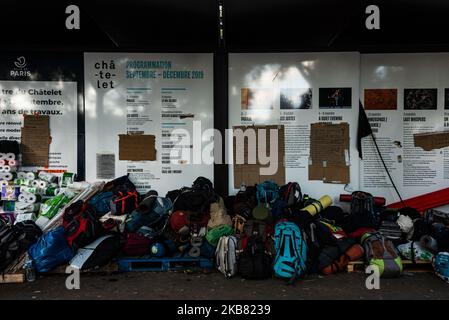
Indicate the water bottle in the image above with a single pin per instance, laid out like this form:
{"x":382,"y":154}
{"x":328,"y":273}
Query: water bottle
{"x":30,"y":270}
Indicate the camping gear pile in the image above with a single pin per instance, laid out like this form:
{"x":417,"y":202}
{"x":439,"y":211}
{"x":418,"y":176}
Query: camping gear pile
{"x":263,"y":231}
{"x":29,"y":200}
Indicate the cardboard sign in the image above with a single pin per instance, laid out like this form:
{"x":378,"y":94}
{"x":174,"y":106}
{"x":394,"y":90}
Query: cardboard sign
{"x":329,"y":152}
{"x":249,"y":171}
{"x":432,"y":140}
{"x":35,"y":140}
{"x":137,"y":147}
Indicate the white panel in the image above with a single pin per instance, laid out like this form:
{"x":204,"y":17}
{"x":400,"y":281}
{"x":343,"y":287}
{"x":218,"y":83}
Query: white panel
{"x":280,"y":71}
{"x":420,"y":171}
{"x":58,"y":99}
{"x":140,"y":102}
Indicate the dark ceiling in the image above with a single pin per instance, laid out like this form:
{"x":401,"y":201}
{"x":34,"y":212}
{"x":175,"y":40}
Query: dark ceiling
{"x":251,"y":25}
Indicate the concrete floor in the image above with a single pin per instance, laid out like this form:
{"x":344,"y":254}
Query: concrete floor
{"x":215,"y":286}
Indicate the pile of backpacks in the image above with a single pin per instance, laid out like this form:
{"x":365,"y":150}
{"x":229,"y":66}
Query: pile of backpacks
{"x":279,"y":231}
{"x":263,"y":231}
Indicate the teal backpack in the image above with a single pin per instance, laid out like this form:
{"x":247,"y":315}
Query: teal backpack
{"x":267,"y":192}
{"x":291,"y":251}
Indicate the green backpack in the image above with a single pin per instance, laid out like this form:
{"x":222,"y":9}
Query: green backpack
{"x":214,"y":234}
{"x":381,"y":252}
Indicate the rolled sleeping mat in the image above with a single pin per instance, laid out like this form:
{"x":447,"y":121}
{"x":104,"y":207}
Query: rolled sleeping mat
{"x":27,"y":207}
{"x":69,"y":194}
{"x":10,"y":156}
{"x":25,"y":217}
{"x":79,"y":185}
{"x":195,"y":252}
{"x":30,"y":175}
{"x":8,"y":176}
{"x":318,"y":205}
{"x":26,"y":189}
{"x":3,"y":183}
{"x":429,"y":243}
{"x":51,"y":191}
{"x":22,"y":182}
{"x":35,"y":183}
{"x":3,"y":162}
{"x":378,"y":201}
{"x":47,"y":176}
{"x":29,"y":197}
{"x":13,"y":163}
{"x":2,"y":156}
{"x":43,"y":184}
{"x":21,"y":175}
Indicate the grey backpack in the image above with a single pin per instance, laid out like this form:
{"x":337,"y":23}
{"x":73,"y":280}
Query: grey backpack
{"x":226,"y":256}
{"x":381,"y":252}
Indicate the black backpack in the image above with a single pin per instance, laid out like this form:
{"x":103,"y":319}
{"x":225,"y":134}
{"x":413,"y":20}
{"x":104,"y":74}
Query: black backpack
{"x":15,"y":240}
{"x":291,"y":193}
{"x":254,"y":263}
{"x":202,"y":183}
{"x":362,"y":214}
{"x":195,"y":200}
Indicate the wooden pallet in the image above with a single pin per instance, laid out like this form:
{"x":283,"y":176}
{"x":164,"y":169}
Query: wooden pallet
{"x":111,"y":267}
{"x":12,"y":278}
{"x":408,"y":266}
{"x":164,"y":264}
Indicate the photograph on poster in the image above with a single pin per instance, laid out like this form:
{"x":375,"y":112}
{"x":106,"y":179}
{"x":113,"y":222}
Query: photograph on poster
{"x":420,"y":99}
{"x":296,"y":98}
{"x":381,"y":99}
{"x":335,"y":98}
{"x":446,"y":99}
{"x":256,"y":99}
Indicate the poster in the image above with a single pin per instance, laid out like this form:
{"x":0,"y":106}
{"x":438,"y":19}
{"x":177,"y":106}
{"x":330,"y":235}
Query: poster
{"x":44,"y":84}
{"x":296,"y":90}
{"x":404,"y":94}
{"x":168,"y":96}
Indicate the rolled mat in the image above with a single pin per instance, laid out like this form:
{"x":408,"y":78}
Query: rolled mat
{"x":26,"y":189}
{"x":51,"y":191}
{"x":47,"y":176}
{"x":21,"y":175}
{"x":3,"y":183}
{"x":35,"y":183}
{"x":2,"y":156}
{"x":8,"y":176}
{"x":12,"y":163}
{"x":30,"y":175}
{"x":10,"y":156}
{"x":43,"y":184}
{"x":318,"y":205}
{"x":22,"y":182}
{"x":2,"y":162}
{"x":429,"y":243}
{"x":29,"y":197}
{"x":195,"y":252}
{"x":79,"y":185}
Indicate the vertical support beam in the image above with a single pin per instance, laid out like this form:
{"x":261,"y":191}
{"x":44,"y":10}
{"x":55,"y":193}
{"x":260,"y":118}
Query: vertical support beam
{"x":81,"y":148}
{"x":221,"y":174}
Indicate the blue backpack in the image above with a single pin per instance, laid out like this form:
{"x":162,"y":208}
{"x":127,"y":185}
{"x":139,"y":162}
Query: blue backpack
{"x":101,"y":202}
{"x":267,"y":192}
{"x":50,"y":251}
{"x":291,"y":251}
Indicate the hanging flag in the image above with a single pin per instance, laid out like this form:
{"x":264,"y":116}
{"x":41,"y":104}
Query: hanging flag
{"x":364,"y":128}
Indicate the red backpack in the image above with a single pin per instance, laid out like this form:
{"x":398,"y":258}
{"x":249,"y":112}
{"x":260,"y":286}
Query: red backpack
{"x":81,"y":225}
{"x":124,"y":202}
